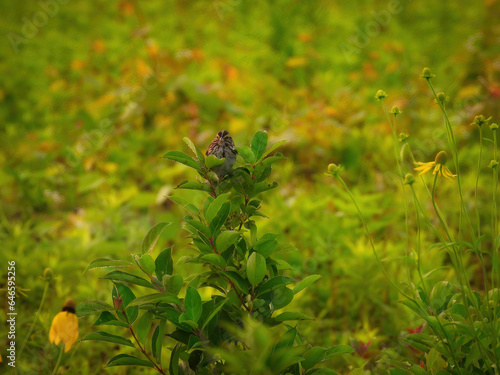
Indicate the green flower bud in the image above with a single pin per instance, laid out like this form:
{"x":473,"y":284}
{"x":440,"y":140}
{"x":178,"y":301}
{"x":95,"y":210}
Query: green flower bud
{"x":494,"y":126}
{"x":493,"y":164}
{"x":409,"y":179}
{"x":48,"y":274}
{"x":481,"y":120}
{"x":380,"y":95}
{"x":442,"y":98}
{"x":395,"y":111}
{"x":334,"y":169}
{"x":427,"y":74}
{"x":441,"y":158}
{"x":403,"y":137}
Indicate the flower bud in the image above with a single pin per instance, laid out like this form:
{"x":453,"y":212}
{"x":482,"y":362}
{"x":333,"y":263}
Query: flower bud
{"x":494,"y":126}
{"x":403,"y":137}
{"x":409,"y":179}
{"x":380,"y":95}
{"x":441,"y":158}
{"x":493,"y":164}
{"x":334,"y":169}
{"x":480,"y":120}
{"x":395,"y":111}
{"x":48,"y":274}
{"x":441,"y":97}
{"x":117,"y":302}
{"x":427,"y":74}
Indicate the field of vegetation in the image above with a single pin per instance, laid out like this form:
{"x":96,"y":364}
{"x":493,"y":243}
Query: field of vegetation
{"x":322,"y":252}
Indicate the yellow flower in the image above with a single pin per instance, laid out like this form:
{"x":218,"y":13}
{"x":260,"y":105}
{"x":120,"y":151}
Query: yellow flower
{"x":439,"y":166}
{"x":64,"y":327}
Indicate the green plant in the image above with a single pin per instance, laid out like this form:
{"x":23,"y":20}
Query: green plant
{"x":462,"y":323}
{"x":238,"y":327}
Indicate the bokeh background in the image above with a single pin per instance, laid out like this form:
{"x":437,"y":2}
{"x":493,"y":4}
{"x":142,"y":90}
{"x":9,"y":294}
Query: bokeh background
{"x":92,"y":95}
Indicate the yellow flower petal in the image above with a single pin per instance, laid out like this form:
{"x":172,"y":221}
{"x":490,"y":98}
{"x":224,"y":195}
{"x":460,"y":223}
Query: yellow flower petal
{"x":64,"y":329}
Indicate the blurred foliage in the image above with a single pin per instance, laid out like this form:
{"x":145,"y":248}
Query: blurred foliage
{"x":93,"y":93}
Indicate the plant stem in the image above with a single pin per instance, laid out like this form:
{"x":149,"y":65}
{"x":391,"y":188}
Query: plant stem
{"x":454,"y":150}
{"x":399,"y":162}
{"x":239,"y":297}
{"x":478,"y":220}
{"x":58,"y":363}
{"x":141,"y":349}
{"x":372,"y":244}
{"x":44,"y":295}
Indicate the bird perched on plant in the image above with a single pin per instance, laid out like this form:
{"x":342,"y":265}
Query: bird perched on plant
{"x":223,"y":147}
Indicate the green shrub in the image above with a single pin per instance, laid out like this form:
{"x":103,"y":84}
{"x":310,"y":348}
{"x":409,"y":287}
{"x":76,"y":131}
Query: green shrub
{"x":239,"y":328}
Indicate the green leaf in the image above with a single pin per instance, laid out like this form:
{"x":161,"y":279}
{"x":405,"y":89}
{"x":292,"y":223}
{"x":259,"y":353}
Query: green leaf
{"x":287,"y":339}
{"x":164,"y":265}
{"x":173,"y":367}
{"x":194,"y":185}
{"x":92,"y":307}
{"x":215,"y":259}
{"x":106,"y":318}
{"x":106,"y":263}
{"x":127,"y":296}
{"x":192,"y":304}
{"x":147,"y":264}
{"x":247,"y":154}
{"x":337,"y":350}
{"x":144,"y":326}
{"x":259,"y":144}
{"x":127,"y":360}
{"x":155,"y":298}
{"x":182,"y":158}
{"x":313,"y":356}
{"x":183,"y":318}
{"x":305,"y":283}
{"x":417,"y":370}
{"x":267,"y":162}
{"x":199,"y":227}
{"x":262,"y":186}
{"x":107,"y":337}
{"x":434,"y":361}
{"x":172,"y":283}
{"x":282,"y":297}
{"x":214,"y":207}
{"x":273,"y":283}
{"x":256,"y":268}
{"x":214,"y":312}
{"x":128,"y":278}
{"x":267,"y":245}
{"x":226,"y":239}
{"x":321,"y":371}
{"x":157,"y":340}
{"x":291,"y":316}
{"x":274,"y":147}
{"x":220,"y":218}
{"x":213,"y":161}
{"x":238,"y":280}
{"x":152,"y":236}
{"x":196,"y":151}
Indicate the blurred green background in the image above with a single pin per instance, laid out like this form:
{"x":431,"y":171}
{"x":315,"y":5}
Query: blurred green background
{"x":94,"y":93}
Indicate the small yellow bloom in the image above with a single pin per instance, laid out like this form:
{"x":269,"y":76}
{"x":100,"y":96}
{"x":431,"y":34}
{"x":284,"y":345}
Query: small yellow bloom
{"x":438,"y":165}
{"x":64,"y":327}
